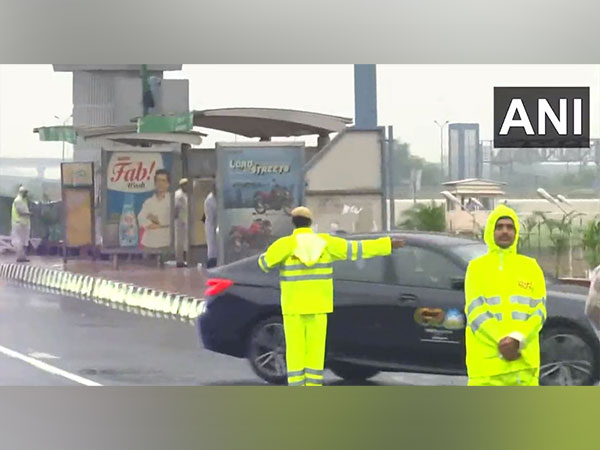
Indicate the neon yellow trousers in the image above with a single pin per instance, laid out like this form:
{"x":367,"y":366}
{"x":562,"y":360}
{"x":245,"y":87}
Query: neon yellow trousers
{"x":305,"y":338}
{"x":529,"y":377}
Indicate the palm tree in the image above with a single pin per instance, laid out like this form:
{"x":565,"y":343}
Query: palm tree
{"x":591,"y":242}
{"x":527,"y":227}
{"x":560,"y":234}
{"x":425,"y":218}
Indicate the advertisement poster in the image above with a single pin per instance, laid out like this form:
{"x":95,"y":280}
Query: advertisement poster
{"x":77,"y":191}
{"x":258,"y":185}
{"x":77,"y":174}
{"x":139,"y":202}
{"x":78,"y":210}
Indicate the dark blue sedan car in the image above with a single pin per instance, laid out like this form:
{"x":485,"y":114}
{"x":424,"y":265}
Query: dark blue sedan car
{"x":400,"y":313}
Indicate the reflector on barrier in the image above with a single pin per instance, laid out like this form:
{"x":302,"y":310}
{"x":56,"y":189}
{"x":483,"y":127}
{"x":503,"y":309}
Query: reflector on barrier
{"x":116,"y":292}
{"x":122,"y":293}
{"x":110,"y":286}
{"x":175,"y":303}
{"x":193,"y":308}
{"x":145,"y":296}
{"x":62,"y":282}
{"x":71,"y":285}
{"x":99,"y":288}
{"x":156,"y":300}
{"x":105,"y":290}
{"x":132,"y":293}
{"x":126,"y":295}
{"x":140,"y":295}
{"x":90,"y":286}
{"x":96,"y":288}
{"x":164,"y":306}
{"x":183,"y":309}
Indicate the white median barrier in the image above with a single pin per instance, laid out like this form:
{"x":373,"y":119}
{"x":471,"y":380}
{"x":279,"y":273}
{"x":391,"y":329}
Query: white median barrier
{"x":118,"y":295}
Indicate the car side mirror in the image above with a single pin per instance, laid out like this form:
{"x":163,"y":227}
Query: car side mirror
{"x":458,"y":284}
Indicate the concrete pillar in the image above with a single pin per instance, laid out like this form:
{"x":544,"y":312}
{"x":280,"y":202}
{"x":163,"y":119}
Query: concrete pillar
{"x":365,"y":96}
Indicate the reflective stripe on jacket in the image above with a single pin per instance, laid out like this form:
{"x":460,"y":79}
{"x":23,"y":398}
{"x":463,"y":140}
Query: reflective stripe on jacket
{"x":305,"y":262}
{"x":505,"y":294}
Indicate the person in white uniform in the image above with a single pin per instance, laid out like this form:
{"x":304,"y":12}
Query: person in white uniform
{"x":21,"y":224}
{"x":181,"y":222}
{"x":155,"y":215}
{"x":210,"y":227}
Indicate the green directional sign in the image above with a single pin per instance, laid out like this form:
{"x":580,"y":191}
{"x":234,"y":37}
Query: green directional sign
{"x":166,"y":124}
{"x":62,"y":133}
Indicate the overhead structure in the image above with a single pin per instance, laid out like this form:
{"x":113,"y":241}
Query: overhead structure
{"x":268,"y":123}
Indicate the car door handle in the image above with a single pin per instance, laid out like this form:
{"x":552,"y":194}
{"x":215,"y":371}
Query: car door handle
{"x":408,"y":298}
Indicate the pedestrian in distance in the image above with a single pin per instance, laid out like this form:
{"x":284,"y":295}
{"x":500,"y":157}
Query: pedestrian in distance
{"x":21,"y":224}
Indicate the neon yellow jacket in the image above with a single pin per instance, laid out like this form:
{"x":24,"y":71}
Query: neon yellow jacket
{"x":305,"y":262}
{"x":505,"y":295}
{"x":19,"y":212}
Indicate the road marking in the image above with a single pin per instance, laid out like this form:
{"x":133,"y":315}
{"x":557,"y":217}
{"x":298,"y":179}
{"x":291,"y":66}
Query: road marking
{"x":47,"y":367}
{"x":42,"y":355}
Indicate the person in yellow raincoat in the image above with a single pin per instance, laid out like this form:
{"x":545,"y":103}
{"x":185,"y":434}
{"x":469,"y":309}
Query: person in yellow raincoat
{"x":21,"y":224}
{"x":305,"y":262}
{"x":505,"y":306}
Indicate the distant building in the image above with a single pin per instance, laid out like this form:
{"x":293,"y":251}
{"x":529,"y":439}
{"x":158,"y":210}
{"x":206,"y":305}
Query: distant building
{"x":465,"y":158}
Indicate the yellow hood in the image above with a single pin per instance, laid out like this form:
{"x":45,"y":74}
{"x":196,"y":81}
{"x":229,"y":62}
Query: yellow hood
{"x":488,"y":236}
{"x":309,"y":246}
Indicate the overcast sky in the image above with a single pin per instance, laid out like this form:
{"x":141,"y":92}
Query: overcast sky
{"x":410,"y":97}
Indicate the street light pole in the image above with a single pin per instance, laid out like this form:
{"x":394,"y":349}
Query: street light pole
{"x":546,"y":196}
{"x":441,"y":126}
{"x":63,"y":142}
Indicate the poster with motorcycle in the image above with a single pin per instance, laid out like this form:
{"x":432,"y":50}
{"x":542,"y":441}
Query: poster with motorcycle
{"x":258,"y":185}
{"x":138,"y":208}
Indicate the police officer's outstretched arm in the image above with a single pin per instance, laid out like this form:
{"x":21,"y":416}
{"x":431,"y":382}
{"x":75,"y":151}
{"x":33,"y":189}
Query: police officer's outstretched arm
{"x":482,"y":322}
{"x":342,"y":249}
{"x":277,"y":252}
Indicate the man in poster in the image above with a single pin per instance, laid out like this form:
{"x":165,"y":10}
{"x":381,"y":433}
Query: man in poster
{"x":155,"y":215}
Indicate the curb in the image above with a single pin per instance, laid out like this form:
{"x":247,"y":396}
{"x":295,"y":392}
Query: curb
{"x":117,"y":295}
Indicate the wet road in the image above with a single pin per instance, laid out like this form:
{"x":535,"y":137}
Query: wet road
{"x":53,"y":340}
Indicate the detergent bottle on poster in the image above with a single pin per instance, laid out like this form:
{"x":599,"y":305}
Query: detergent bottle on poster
{"x":128,"y":227}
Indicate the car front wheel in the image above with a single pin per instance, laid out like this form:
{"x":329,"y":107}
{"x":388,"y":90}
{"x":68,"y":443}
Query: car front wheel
{"x":567,"y":358}
{"x":266,"y":351}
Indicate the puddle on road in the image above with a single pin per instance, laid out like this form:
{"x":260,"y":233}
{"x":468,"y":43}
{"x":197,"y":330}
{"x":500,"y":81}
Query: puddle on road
{"x":133,"y":376}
